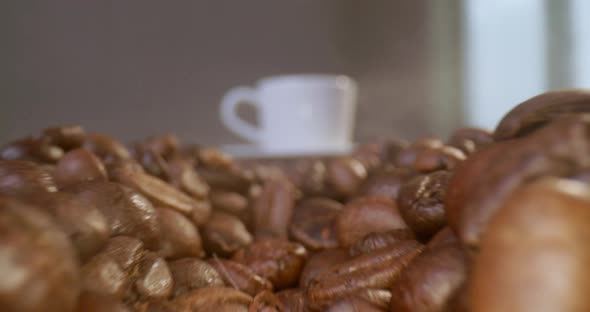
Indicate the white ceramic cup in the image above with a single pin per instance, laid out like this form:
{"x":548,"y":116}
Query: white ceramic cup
{"x":296,"y":113}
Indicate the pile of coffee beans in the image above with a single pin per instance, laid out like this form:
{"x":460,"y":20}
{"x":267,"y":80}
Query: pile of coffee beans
{"x":484,"y":221}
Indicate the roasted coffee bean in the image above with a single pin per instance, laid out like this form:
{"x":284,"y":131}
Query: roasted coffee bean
{"x":430,"y":279}
{"x":386,"y":182}
{"x":38,"y":265}
{"x":156,"y":306}
{"x":380,"y":298}
{"x":557,"y":149}
{"x":224,"y":234}
{"x":86,"y":226}
{"x":421,"y":203}
{"x":378,"y":269}
{"x":240,"y":277}
{"x":459,"y":300}
{"x":228,"y":202}
{"x":377,"y":240}
{"x":540,"y":110}
{"x":192,"y":273}
{"x":79,"y":165}
{"x":24,"y":178}
{"x":212,"y":299}
{"x":231,"y":179}
{"x":153,"y":279}
{"x":126,"y":251}
{"x":182,"y":175}
{"x":321,"y":262}
{"x":106,"y":148}
{"x":179,"y":236}
{"x":345,"y":175}
{"x":93,"y":302}
{"x":533,"y":256}
{"x":429,"y":155}
{"x":31,"y":149}
{"x":366,"y":215}
{"x":273,"y":209}
{"x":67,"y":137}
{"x":313,"y":223}
{"x":293,"y":300}
{"x":166,"y":145}
{"x":469,"y":140}
{"x":214,"y":158}
{"x":353,"y":304}
{"x":158,"y":191}
{"x":266,"y":301}
{"x":152,"y":162}
{"x":127,"y":212}
{"x":103,"y":275}
{"x":443,"y":237}
{"x":313,"y":179}
{"x":279,"y":261}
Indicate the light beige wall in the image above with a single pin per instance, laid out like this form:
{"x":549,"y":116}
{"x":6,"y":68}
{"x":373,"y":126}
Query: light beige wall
{"x":137,"y":67}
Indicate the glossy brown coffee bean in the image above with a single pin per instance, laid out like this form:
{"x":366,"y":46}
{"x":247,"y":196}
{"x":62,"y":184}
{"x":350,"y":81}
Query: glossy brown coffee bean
{"x":79,"y":165}
{"x":214,"y":158}
{"x":459,"y":301}
{"x":224,"y":234}
{"x":126,"y":251}
{"x":375,"y":270}
{"x":444,"y":237}
{"x":321,"y":262}
{"x":386,"y":182}
{"x":228,"y":202}
{"x":380,"y":298}
{"x":377,"y":240}
{"x":279,"y":261}
{"x":152,"y":162}
{"x":86,"y":226}
{"x":533,"y":256}
{"x":24,"y":178}
{"x":430,"y":279}
{"x":94,"y":302}
{"x":127,"y":212}
{"x":166,"y":145}
{"x":313,"y":223}
{"x":67,"y":137}
{"x":353,"y":303}
{"x":158,"y":191}
{"x":153,"y":278}
{"x":345,"y":175}
{"x":103,"y":275}
{"x":557,"y":149}
{"x":540,"y":110}
{"x":192,"y":273}
{"x":31,"y":149}
{"x":469,"y":140}
{"x":39,"y":268}
{"x":293,"y":300}
{"x":157,"y":306}
{"x":231,"y":179}
{"x":239,"y":276}
{"x":429,"y":155}
{"x":366,"y":215}
{"x":266,"y":301}
{"x":182,"y":175}
{"x":211,"y":299}
{"x":179,"y":236}
{"x":106,"y":148}
{"x":421,"y":203}
{"x":313,"y":179}
{"x":273,"y":209}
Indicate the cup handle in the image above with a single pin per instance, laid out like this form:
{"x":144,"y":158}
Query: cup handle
{"x":229,"y":115}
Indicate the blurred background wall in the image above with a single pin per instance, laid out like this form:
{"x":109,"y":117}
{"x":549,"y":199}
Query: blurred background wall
{"x":138,"y":67}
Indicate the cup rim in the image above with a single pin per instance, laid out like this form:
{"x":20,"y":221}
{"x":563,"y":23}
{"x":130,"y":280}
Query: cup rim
{"x":309,"y":78}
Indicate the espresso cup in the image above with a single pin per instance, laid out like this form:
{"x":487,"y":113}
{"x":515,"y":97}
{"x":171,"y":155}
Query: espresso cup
{"x":295,"y":112}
